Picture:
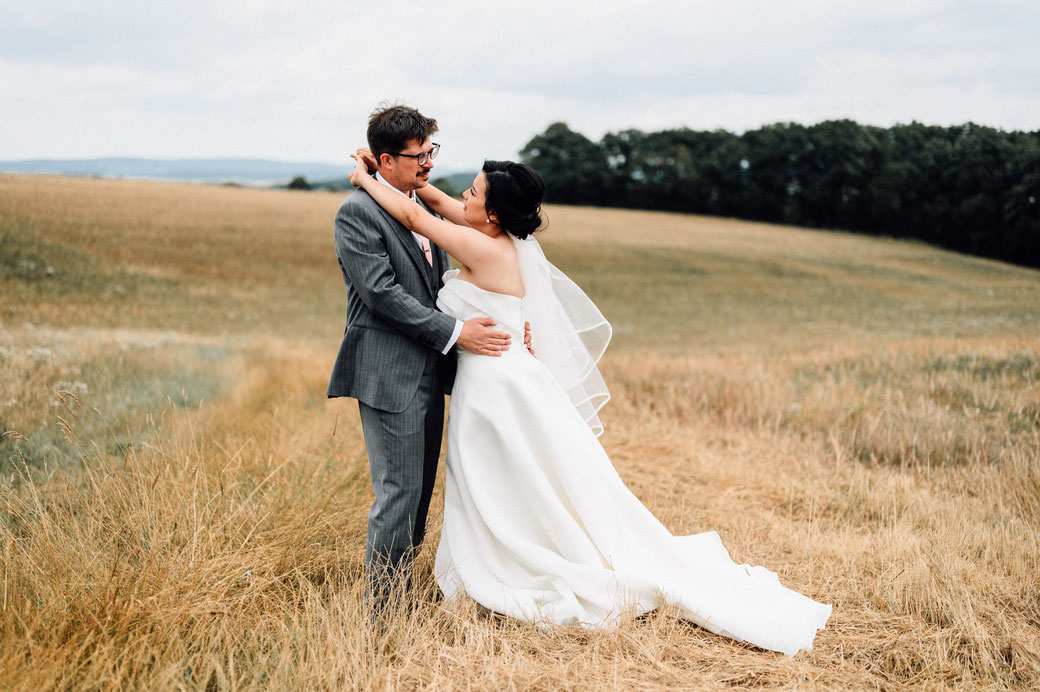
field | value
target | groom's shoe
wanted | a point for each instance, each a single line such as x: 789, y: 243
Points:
x: 386, y: 594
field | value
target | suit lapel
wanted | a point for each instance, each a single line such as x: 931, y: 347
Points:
x: 411, y: 248
x: 416, y: 253
x: 431, y: 268
x: 440, y: 264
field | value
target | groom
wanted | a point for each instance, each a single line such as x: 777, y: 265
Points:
x: 396, y: 358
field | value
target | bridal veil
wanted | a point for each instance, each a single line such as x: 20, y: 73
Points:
x: 568, y: 332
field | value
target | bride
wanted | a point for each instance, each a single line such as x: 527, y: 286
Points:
x: 537, y: 523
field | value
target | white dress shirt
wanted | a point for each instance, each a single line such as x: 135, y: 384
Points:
x: 419, y: 240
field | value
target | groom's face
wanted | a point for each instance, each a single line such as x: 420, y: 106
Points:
x: 404, y: 172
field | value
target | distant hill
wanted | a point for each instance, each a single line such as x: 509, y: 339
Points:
x: 246, y: 171
x: 457, y: 182
x: 460, y: 181
x: 260, y: 172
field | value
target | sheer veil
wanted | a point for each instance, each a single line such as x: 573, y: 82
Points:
x: 568, y: 332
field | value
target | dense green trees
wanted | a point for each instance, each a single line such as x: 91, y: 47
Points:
x: 298, y: 183
x: 572, y: 166
x: 970, y: 188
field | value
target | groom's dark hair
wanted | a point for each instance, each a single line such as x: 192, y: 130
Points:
x: 390, y: 128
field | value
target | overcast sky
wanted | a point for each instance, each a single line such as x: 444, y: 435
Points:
x: 257, y: 78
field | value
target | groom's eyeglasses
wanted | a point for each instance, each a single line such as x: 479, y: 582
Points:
x: 423, y: 156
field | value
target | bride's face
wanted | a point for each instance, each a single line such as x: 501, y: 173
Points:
x: 473, y: 209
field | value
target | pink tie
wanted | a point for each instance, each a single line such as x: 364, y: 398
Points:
x: 426, y: 250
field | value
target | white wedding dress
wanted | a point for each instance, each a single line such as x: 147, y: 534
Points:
x: 537, y: 523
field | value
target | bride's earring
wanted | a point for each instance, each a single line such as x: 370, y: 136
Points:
x: 488, y: 219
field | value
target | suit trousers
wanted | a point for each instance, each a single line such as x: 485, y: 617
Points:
x: 403, y: 449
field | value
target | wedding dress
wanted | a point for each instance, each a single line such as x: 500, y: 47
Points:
x: 537, y: 523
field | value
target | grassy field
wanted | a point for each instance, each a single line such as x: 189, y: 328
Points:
x: 181, y: 507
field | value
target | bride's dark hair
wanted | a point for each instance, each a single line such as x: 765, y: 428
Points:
x: 514, y: 195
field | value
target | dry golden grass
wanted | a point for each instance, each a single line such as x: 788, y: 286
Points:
x: 186, y: 509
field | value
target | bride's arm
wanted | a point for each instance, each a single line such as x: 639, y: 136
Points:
x: 435, y: 198
x: 443, y: 204
x: 466, y: 244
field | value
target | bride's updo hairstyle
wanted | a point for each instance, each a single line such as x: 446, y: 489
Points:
x: 514, y: 195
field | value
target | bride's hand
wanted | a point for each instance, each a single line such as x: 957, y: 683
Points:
x: 366, y: 154
x: 527, y: 338
x: 360, y: 168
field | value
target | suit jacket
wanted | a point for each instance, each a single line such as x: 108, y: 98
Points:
x: 393, y: 329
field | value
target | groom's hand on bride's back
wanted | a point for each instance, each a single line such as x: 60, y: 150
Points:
x: 478, y: 337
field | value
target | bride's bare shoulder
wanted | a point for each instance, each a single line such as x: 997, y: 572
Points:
x: 504, y: 246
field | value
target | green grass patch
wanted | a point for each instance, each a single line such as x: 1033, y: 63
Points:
x: 104, y: 398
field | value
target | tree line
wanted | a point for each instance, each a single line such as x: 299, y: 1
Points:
x: 969, y: 188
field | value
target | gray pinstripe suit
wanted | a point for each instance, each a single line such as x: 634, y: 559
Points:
x: 390, y: 361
